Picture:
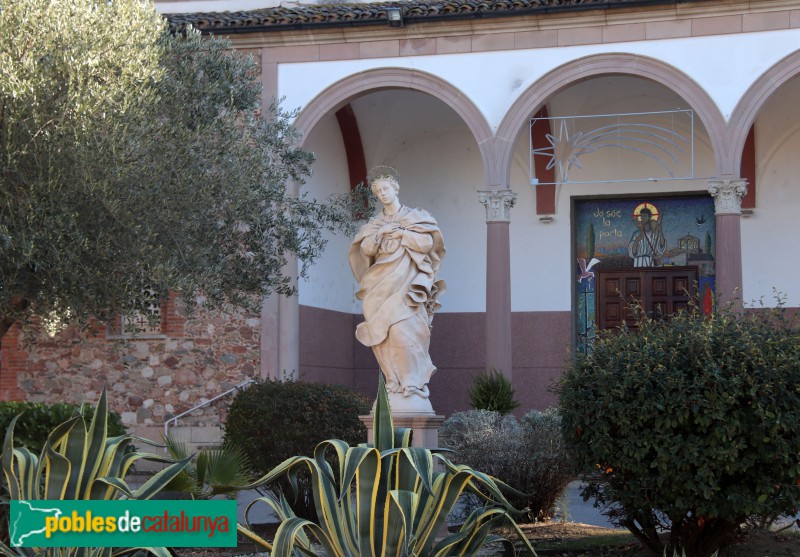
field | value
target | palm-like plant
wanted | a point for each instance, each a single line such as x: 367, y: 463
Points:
x: 80, y: 463
x: 492, y: 391
x: 384, y: 500
x: 218, y: 472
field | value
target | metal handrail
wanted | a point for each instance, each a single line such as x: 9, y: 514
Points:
x: 206, y: 403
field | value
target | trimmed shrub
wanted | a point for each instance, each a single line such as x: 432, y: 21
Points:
x: 528, y: 455
x: 689, y: 426
x: 492, y: 391
x: 275, y: 420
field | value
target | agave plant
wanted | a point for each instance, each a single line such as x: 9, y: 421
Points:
x: 217, y: 472
x: 80, y: 463
x: 384, y: 500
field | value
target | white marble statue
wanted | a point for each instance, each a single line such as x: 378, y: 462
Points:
x: 395, y: 257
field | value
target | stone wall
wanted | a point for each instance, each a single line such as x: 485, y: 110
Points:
x: 149, y: 378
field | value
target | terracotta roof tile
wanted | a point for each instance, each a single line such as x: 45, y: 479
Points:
x: 280, y: 18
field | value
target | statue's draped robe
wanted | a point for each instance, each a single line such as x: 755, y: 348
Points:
x: 399, y: 289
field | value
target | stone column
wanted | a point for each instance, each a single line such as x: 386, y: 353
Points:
x: 270, y: 338
x: 727, y: 196
x: 289, y: 344
x: 425, y: 427
x: 498, y: 203
x: 280, y: 331
x: 289, y: 314
x: 280, y: 316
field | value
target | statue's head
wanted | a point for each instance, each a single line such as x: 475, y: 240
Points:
x: 383, y: 173
x: 391, y: 180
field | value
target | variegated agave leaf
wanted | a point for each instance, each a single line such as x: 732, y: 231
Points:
x: 81, y: 463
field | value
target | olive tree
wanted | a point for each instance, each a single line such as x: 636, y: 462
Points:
x: 135, y: 160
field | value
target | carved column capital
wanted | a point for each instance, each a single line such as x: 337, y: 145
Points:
x: 727, y: 195
x: 498, y: 204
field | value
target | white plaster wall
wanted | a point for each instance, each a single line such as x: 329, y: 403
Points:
x: 630, y: 95
x: 440, y: 171
x: 724, y: 65
x: 769, y: 237
x: 542, y: 269
x: 540, y: 253
x: 329, y: 282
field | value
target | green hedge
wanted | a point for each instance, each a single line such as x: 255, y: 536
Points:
x: 37, y: 420
x: 275, y: 420
x: 689, y: 426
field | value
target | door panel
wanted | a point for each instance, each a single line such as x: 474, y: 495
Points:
x: 660, y: 291
x: 617, y: 289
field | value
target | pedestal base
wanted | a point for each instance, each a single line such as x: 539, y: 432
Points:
x: 425, y: 427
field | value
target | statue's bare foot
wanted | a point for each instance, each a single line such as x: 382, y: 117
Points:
x: 413, y: 390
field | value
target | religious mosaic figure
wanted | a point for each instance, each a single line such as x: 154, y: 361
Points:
x: 648, y: 244
x: 395, y: 257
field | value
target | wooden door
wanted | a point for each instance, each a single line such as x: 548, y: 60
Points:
x: 659, y: 291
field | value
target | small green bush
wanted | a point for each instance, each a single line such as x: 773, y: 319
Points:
x: 689, y: 426
x: 80, y: 462
x: 276, y: 420
x: 492, y: 391
x: 221, y: 471
x: 528, y: 455
x: 37, y: 420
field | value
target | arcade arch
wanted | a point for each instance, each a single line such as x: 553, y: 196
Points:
x: 516, y: 118
x: 768, y: 242
x: 375, y: 93
x: 340, y: 93
x: 748, y: 108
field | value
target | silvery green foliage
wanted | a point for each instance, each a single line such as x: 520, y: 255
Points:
x: 479, y: 431
x: 528, y: 455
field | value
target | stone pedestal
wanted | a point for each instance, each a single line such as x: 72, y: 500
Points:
x: 424, y: 426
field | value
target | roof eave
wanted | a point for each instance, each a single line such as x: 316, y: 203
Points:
x: 416, y: 20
